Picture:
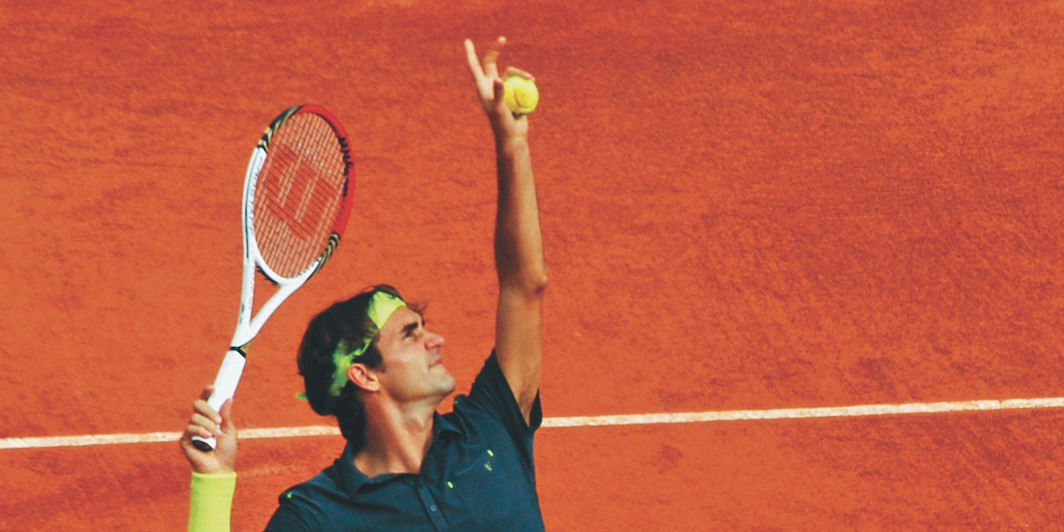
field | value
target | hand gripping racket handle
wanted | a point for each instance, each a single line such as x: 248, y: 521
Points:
x: 224, y: 388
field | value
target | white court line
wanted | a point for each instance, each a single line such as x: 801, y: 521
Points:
x: 585, y: 421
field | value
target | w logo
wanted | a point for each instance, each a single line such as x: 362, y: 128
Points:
x: 295, y: 194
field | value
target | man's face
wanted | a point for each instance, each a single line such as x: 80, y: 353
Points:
x: 413, y: 364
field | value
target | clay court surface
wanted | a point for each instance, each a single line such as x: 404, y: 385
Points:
x: 755, y: 207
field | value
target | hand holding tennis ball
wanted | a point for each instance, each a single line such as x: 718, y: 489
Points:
x: 520, y: 95
x: 506, y: 95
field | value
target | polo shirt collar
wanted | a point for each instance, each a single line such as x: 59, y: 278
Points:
x: 353, y: 479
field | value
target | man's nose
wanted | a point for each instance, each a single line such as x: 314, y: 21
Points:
x: 435, y: 340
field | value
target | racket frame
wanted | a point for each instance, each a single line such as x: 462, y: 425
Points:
x: 248, y: 326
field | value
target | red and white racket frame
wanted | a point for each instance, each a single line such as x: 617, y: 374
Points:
x: 248, y: 326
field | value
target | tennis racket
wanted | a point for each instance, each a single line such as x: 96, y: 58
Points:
x: 297, y: 198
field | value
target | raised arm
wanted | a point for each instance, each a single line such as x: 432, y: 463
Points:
x: 519, y: 258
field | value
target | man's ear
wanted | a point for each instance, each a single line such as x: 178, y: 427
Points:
x: 363, y: 377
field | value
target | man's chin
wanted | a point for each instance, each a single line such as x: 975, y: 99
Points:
x: 449, y: 385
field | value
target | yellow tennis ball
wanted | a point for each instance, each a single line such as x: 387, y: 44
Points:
x: 521, y: 95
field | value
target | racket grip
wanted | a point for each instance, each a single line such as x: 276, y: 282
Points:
x: 224, y: 389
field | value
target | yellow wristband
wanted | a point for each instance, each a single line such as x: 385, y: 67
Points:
x: 211, y: 501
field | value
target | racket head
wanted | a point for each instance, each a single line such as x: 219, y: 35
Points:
x: 297, y: 194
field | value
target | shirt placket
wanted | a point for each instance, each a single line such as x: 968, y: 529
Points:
x: 431, y: 505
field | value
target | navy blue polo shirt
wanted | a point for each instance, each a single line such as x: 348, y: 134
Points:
x: 478, y: 474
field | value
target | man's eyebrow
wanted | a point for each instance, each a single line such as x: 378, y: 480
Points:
x: 410, y: 327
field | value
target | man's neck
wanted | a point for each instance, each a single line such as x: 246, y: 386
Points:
x: 396, y: 441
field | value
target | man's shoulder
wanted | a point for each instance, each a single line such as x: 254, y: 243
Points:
x: 305, y: 506
x: 326, y: 481
x: 490, y: 408
x: 484, y: 394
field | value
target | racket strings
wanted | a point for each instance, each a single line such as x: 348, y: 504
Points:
x: 298, y: 194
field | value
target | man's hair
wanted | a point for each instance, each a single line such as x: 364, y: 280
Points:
x: 343, y: 323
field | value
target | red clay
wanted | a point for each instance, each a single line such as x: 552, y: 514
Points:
x: 763, y: 205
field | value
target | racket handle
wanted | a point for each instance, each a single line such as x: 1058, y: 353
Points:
x: 224, y: 389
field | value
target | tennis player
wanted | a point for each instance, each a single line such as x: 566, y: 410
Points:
x: 371, y: 362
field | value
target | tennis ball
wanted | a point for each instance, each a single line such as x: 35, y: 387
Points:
x: 521, y: 95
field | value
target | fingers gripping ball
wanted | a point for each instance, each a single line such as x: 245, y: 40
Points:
x: 521, y: 95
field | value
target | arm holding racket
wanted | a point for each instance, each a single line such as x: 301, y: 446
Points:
x: 519, y: 257
x: 297, y: 197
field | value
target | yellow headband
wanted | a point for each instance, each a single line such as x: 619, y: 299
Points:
x: 381, y: 307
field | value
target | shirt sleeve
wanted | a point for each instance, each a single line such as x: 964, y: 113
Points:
x: 491, y: 393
